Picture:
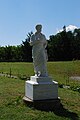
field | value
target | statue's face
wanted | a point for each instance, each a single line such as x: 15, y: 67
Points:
x: 39, y: 29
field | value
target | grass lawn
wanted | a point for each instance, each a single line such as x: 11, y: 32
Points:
x: 12, y: 106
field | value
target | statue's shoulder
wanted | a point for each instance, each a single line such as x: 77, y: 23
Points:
x: 43, y: 35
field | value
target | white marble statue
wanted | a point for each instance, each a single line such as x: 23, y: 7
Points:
x: 39, y: 53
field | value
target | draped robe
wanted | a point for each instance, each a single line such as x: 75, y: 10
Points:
x: 39, y: 54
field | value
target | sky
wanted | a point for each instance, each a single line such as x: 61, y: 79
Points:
x: 18, y: 17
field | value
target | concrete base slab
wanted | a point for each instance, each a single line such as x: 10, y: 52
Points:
x: 47, y: 105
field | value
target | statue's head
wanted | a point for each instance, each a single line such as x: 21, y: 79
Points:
x: 38, y: 27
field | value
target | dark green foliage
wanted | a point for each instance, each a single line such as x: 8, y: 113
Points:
x: 18, y: 53
x: 63, y: 46
x: 26, y: 52
x: 10, y: 53
x: 27, y: 49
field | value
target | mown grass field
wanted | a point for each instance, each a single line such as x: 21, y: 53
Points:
x: 12, y: 106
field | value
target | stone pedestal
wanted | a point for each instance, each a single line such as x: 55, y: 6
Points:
x: 41, y: 88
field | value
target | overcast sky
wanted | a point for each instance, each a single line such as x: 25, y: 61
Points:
x: 18, y: 17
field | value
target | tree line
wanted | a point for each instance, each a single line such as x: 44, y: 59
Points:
x: 63, y: 46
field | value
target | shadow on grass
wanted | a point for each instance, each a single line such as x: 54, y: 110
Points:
x: 61, y: 111
x: 57, y: 109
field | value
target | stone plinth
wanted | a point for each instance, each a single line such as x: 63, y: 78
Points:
x: 41, y: 88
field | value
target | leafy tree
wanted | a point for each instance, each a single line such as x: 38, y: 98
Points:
x: 29, y: 36
x: 76, y: 44
x: 2, y: 54
x: 62, y: 46
x: 27, y: 49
